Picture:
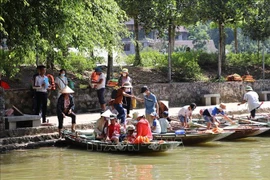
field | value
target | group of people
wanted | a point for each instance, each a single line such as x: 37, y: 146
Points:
x: 119, y: 107
x: 65, y: 101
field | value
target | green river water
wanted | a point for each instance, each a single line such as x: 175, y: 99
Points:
x: 243, y: 159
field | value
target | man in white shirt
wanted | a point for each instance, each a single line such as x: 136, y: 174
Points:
x: 252, y: 99
x: 185, y: 114
x: 41, y: 86
x: 100, y: 86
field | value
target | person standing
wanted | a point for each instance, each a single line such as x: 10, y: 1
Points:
x: 41, y: 86
x: 252, y: 99
x: 117, y: 102
x: 100, y: 86
x: 122, y: 80
x: 150, y: 102
x: 61, y: 81
x: 65, y: 107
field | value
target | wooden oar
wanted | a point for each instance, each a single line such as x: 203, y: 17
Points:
x: 254, y: 122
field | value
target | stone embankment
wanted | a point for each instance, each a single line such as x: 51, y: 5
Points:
x: 32, y: 138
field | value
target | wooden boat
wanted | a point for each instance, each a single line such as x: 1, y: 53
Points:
x: 190, y: 138
x: 81, y: 141
x: 238, y: 133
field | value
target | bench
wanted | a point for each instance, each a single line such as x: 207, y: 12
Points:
x: 211, y: 99
x: 263, y: 95
x: 13, y: 122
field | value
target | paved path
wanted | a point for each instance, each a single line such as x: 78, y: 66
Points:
x: 232, y: 108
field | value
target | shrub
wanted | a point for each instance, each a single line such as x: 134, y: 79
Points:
x: 185, y: 66
x: 206, y: 59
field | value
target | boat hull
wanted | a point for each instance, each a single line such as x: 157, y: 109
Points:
x: 95, y: 145
x: 187, y: 139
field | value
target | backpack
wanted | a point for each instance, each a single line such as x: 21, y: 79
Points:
x: 71, y: 83
x: 114, y: 93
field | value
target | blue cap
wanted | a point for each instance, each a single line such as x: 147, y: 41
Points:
x: 98, y: 69
x: 166, y: 113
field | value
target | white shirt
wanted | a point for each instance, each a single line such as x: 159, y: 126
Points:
x: 61, y: 82
x: 184, y: 111
x: 252, y: 99
x: 39, y: 81
x: 164, y: 124
x: 157, y: 125
x: 102, y: 85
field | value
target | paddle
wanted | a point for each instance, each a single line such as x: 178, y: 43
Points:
x: 254, y: 122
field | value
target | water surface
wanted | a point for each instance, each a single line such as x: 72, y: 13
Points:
x: 243, y: 159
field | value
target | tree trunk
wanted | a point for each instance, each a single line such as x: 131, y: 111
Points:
x: 109, y: 66
x: 235, y: 40
x: 170, y: 46
x: 258, y: 53
x: 137, y: 61
x: 220, y: 48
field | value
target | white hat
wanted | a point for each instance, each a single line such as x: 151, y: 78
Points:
x: 130, y: 127
x: 67, y: 90
x: 127, y: 85
x: 222, y: 106
x: 106, y: 114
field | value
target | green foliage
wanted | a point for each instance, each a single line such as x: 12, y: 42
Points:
x: 76, y: 62
x: 246, y: 59
x: 207, y: 59
x: 8, y: 64
x: 185, y: 66
x: 150, y: 58
x: 44, y: 25
x: 257, y: 21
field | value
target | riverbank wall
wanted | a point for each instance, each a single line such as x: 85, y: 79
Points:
x: 178, y: 94
x: 34, y: 137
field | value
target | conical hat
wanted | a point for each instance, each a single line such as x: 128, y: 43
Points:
x: 67, y: 90
x: 166, y: 103
x: 106, y: 113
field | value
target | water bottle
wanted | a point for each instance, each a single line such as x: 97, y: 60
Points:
x: 46, y: 82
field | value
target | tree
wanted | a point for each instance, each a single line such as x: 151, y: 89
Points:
x: 257, y: 21
x: 46, y: 25
x: 221, y: 12
x: 134, y: 9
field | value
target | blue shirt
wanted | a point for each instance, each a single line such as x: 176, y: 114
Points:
x: 217, y: 111
x: 150, y: 102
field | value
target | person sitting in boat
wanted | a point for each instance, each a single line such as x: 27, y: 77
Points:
x: 113, y: 131
x: 102, y: 124
x: 144, y: 134
x: 164, y: 123
x: 210, y: 114
x: 65, y: 107
x: 252, y: 99
x: 185, y: 114
x: 130, y: 137
x: 156, y: 125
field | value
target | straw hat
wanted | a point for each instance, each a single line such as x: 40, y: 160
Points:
x: 222, y: 106
x: 67, y: 90
x: 249, y: 88
x: 130, y: 127
x: 125, y: 70
x: 127, y: 85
